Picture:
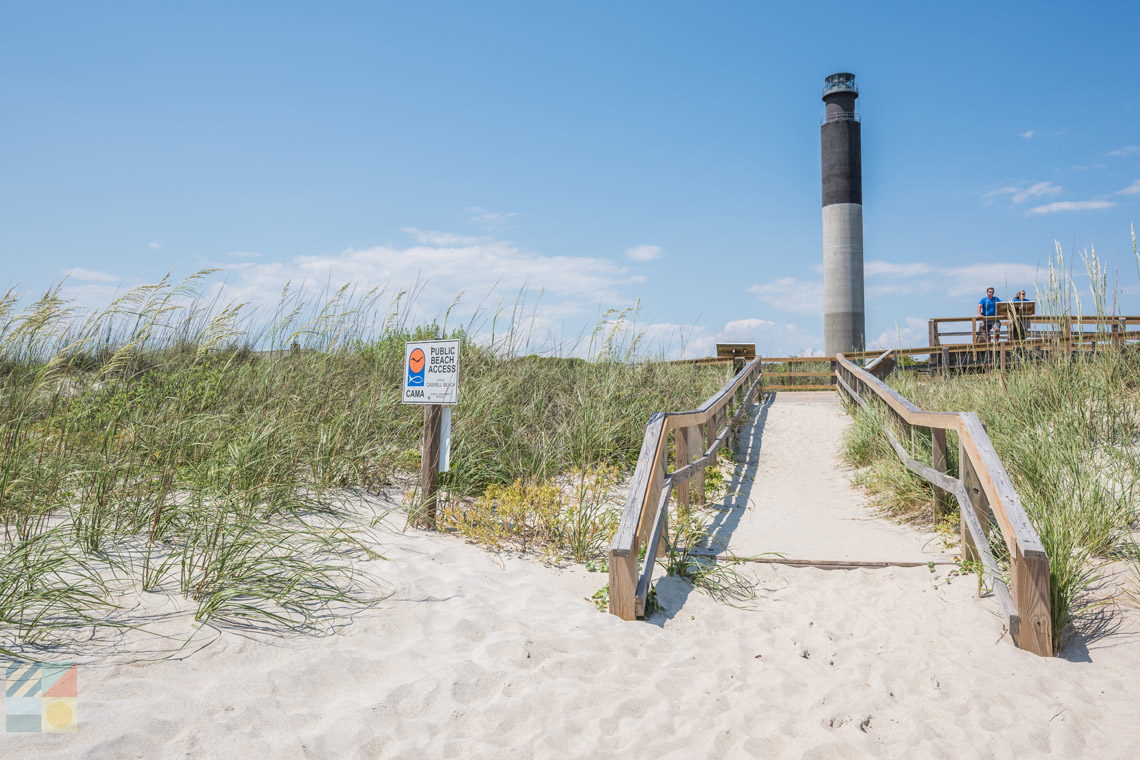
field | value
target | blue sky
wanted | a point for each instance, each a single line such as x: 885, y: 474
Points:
x: 605, y: 154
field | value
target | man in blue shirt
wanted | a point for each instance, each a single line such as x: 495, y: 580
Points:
x: 987, y: 309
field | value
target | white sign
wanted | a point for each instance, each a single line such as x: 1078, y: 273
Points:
x: 431, y: 372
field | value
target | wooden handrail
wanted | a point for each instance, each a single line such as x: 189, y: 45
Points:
x: 986, y: 485
x: 645, y: 516
x: 983, y: 487
x: 1051, y: 318
x: 716, y: 402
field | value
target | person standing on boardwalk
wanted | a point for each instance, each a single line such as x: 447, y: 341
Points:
x: 1016, y: 328
x: 987, y: 310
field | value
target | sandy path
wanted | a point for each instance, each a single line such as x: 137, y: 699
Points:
x: 793, y: 495
x: 480, y: 655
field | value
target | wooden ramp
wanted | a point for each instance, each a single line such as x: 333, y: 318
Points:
x: 792, y: 493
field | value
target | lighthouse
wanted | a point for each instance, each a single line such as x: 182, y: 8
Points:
x: 843, y: 315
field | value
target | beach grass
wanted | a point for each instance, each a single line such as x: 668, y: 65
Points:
x: 1068, y: 431
x: 172, y: 443
x: 1067, y: 428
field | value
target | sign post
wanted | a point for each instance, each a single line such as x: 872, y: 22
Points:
x: 431, y: 379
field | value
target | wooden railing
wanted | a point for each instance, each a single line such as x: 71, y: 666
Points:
x: 1077, y: 330
x: 699, y: 435
x: 982, y: 488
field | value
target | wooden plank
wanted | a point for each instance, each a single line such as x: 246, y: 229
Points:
x: 994, y: 480
x: 734, y: 350
x: 709, y: 456
x: 623, y: 585
x: 626, y: 536
x: 778, y: 388
x: 1032, y: 597
x: 770, y: 375
x: 822, y: 564
x: 989, y: 564
x: 652, y: 494
x: 722, y: 398
x: 698, y: 444
x: 939, y: 462
x: 845, y: 387
x: 977, y: 501
x: 656, y: 544
x: 682, y: 455
x: 429, y: 466
x: 907, y: 410
x: 798, y: 359
x: 883, y: 365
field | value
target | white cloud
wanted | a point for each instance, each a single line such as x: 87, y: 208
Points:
x: 912, y: 332
x: 1127, y: 150
x: 1027, y: 134
x: 692, y: 341
x: 1036, y: 191
x: 1059, y: 206
x: 432, y: 237
x: 90, y: 275
x: 877, y: 268
x: 1021, y: 193
x: 974, y: 278
x: 887, y: 278
x: 154, y: 246
x: 791, y: 294
x: 92, y: 295
x: 990, y: 196
x: 644, y: 252
x: 490, y: 220
x: 244, y: 255
x: 434, y: 276
x: 1133, y: 189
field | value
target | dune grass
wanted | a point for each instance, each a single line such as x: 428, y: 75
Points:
x: 168, y: 444
x: 1068, y: 432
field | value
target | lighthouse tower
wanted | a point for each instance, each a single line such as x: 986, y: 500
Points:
x: 843, y: 316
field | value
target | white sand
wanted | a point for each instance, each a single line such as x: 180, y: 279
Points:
x: 478, y: 655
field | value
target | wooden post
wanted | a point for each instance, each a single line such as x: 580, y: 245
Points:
x: 978, y: 501
x: 623, y: 585
x: 938, y: 461
x: 682, y: 455
x: 648, y: 512
x: 945, y: 361
x: 1032, y: 598
x: 932, y: 340
x: 429, y: 466
x: 699, y: 445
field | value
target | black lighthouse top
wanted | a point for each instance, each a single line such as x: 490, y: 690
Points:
x: 840, y: 132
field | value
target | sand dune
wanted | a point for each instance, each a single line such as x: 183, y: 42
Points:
x: 477, y: 654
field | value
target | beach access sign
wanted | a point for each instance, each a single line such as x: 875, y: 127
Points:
x: 431, y: 372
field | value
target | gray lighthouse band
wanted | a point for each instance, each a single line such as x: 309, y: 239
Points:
x: 843, y: 315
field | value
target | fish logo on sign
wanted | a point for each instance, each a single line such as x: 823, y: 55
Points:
x: 416, y: 365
